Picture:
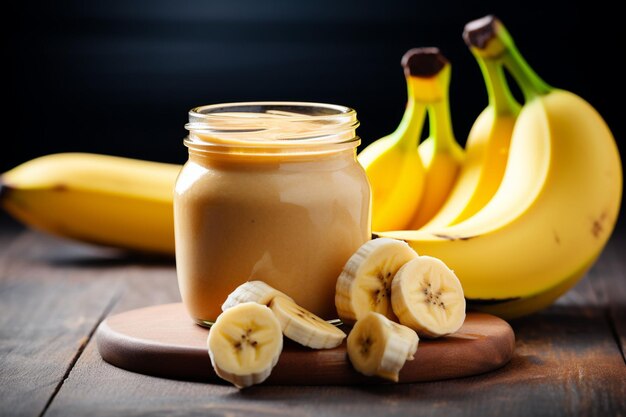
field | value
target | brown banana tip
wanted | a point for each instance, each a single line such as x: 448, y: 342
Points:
x: 3, y: 189
x: 479, y: 32
x: 423, y: 62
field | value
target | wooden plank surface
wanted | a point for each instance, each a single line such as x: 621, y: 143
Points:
x: 53, y: 295
x: 46, y: 321
x: 567, y: 363
x: 568, y: 360
x: 610, y: 281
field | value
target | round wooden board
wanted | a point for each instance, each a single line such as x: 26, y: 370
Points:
x: 163, y: 341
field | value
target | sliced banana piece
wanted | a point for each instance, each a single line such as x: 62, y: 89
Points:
x: 378, y: 346
x: 427, y: 296
x: 364, y: 285
x: 255, y: 291
x: 245, y: 343
x: 304, y: 327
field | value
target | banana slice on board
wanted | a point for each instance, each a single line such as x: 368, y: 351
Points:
x: 304, y: 327
x: 255, y: 291
x: 427, y: 296
x: 364, y: 284
x: 245, y: 343
x: 378, y: 346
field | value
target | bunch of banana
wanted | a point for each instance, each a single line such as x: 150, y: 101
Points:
x: 393, y: 165
x: 555, y: 207
x: 487, y: 148
x: 440, y: 153
x: 409, y: 187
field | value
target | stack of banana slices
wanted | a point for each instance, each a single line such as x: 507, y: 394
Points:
x: 392, y: 295
x: 386, y: 290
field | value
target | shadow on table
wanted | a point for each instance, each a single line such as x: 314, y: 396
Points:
x: 88, y: 256
x: 121, y: 259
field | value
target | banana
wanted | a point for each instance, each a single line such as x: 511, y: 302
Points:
x: 394, y: 168
x: 440, y: 153
x: 95, y: 198
x: 522, y: 306
x: 254, y: 291
x: 304, y: 327
x: 378, y: 346
x: 427, y: 297
x: 364, y: 284
x: 245, y: 343
x: 555, y: 208
x: 487, y: 147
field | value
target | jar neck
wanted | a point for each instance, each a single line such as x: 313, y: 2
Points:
x: 205, y: 158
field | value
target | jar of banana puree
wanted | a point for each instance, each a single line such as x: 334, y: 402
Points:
x: 272, y: 191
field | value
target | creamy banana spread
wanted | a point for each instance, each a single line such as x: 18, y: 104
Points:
x: 286, y: 211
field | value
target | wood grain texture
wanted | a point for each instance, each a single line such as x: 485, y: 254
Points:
x: 163, y: 341
x: 610, y: 281
x: 55, y: 293
x: 549, y: 376
x: 45, y: 323
x: 567, y: 360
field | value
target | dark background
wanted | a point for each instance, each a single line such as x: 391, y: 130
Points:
x: 118, y: 77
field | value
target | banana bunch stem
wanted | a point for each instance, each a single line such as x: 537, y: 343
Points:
x: 487, y: 145
x: 500, y: 97
x: 440, y: 125
x: 489, y: 38
x: 428, y: 80
x: 530, y: 83
x: 410, y: 128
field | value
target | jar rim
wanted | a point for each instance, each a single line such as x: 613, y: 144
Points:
x: 324, y: 109
x: 272, y: 125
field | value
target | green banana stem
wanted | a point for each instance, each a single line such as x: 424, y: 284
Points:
x: 529, y: 81
x: 500, y: 97
x: 440, y: 125
x: 409, y: 131
x: 440, y: 122
x: 489, y: 38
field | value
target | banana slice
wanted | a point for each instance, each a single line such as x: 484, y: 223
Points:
x: 365, y: 282
x: 304, y: 327
x: 378, y: 346
x: 427, y: 296
x: 255, y: 291
x: 245, y: 343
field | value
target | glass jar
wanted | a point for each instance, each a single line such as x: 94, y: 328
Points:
x: 272, y: 191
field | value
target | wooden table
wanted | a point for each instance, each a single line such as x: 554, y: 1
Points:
x: 53, y: 294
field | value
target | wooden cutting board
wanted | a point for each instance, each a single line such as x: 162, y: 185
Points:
x: 163, y: 341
